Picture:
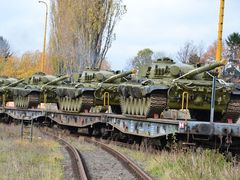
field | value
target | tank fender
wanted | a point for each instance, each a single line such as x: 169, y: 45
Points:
x: 72, y: 93
x: 150, y: 89
x: 84, y: 90
x: 26, y: 92
x: 80, y: 91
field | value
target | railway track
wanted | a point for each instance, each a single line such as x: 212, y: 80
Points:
x: 78, y: 167
x: 131, y: 166
x: 101, y: 161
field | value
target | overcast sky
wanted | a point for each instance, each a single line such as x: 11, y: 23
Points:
x: 161, y: 25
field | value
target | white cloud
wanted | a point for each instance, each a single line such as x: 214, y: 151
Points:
x: 22, y: 24
x: 162, y: 25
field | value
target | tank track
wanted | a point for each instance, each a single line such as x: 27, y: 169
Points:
x: 158, y: 103
x: 33, y: 100
x: 87, y: 102
x: 146, y: 106
x: 233, y: 109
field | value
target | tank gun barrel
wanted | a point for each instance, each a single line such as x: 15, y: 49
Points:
x: 15, y: 83
x: 200, y: 70
x: 55, y: 81
x: 117, y: 76
x: 12, y: 84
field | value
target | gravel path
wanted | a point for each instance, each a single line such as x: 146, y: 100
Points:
x: 102, y: 165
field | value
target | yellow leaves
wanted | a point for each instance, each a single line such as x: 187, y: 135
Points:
x: 21, y: 67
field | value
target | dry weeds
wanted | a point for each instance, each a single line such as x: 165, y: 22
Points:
x: 184, y: 165
x: 20, y: 159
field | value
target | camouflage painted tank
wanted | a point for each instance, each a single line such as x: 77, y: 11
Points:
x: 35, y: 90
x: 89, y: 90
x: 165, y: 86
x: 5, y: 83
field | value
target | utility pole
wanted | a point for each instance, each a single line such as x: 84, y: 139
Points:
x: 44, y: 38
x: 220, y: 30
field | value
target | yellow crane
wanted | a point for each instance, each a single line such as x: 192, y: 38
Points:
x: 220, y: 30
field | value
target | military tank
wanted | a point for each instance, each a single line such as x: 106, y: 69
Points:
x: 35, y: 90
x: 88, y: 91
x: 6, y: 82
x: 174, y: 86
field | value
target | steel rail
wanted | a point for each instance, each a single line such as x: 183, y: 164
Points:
x: 130, y: 164
x: 75, y: 156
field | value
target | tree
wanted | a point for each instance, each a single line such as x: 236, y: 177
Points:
x: 4, y: 48
x: 210, y: 53
x: 233, y: 43
x: 89, y: 32
x: 19, y: 66
x: 105, y: 65
x: 142, y: 60
x: 190, y: 53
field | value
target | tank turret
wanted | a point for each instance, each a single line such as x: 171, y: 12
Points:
x: 94, y: 75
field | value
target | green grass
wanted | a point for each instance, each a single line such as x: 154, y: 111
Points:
x: 20, y: 159
x: 182, y: 165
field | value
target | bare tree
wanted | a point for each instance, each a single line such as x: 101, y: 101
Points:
x: 5, y: 51
x: 190, y: 53
x: 82, y: 32
x: 186, y: 51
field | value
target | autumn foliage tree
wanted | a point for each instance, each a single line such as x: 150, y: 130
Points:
x: 21, y: 67
x: 210, y: 53
x: 82, y: 32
